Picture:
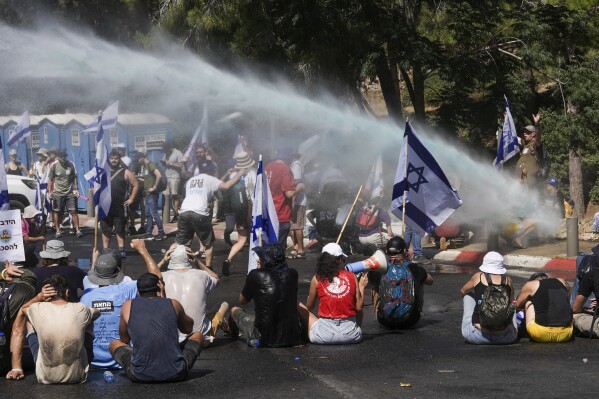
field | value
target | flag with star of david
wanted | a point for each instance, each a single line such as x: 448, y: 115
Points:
x: 99, y: 177
x: 265, y: 223
x: 430, y: 199
x: 507, y: 142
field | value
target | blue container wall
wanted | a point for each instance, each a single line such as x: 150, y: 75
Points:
x: 76, y: 144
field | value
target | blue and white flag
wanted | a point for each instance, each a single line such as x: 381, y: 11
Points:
x: 374, y: 182
x: 507, y: 143
x: 202, y: 130
x: 4, y: 200
x: 99, y: 176
x: 430, y: 199
x: 21, y: 132
x: 109, y: 119
x: 265, y: 223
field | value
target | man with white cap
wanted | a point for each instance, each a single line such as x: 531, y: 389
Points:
x: 492, y: 273
x: 122, y: 149
x: 190, y: 286
x: 110, y: 290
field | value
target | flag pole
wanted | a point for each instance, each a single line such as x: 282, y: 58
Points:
x: 348, y: 215
x: 405, y: 192
x: 260, y: 197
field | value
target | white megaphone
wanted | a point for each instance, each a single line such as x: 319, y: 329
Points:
x: 377, y: 262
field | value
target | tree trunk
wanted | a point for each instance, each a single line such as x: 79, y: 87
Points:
x: 576, y: 189
x: 391, y: 96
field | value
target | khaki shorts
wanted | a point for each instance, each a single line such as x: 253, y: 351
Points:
x: 172, y: 185
x: 298, y: 218
x: 540, y: 333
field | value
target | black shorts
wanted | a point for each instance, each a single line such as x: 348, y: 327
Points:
x: 190, y: 223
x: 114, y: 220
x: 191, y: 350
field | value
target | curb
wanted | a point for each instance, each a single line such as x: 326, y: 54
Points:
x: 470, y: 258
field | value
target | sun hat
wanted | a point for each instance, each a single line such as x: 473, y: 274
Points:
x: 492, y: 263
x: 54, y: 250
x: 30, y: 212
x: 271, y: 255
x: 42, y: 151
x: 106, y: 271
x: 243, y: 160
x: 179, y: 259
x: 333, y: 249
x: 115, y: 254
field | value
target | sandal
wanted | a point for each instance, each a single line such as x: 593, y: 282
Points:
x: 296, y: 255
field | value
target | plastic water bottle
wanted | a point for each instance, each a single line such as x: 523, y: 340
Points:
x: 519, y: 318
x: 254, y: 343
x: 108, y: 376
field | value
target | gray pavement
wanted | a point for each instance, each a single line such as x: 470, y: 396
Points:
x: 431, y: 358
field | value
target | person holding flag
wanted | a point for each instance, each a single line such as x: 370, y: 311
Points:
x: 507, y: 143
x: 422, y: 196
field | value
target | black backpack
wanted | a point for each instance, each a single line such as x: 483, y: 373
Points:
x: 238, y: 199
x: 496, y: 311
x: 162, y: 183
x: 6, y: 289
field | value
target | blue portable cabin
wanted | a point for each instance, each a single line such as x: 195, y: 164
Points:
x: 8, y: 125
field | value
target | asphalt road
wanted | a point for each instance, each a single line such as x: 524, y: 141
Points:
x: 432, y: 358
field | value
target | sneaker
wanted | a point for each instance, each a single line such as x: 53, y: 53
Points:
x: 141, y: 230
x: 160, y: 237
x: 226, y: 267
x: 148, y: 237
x: 79, y: 234
x: 227, y: 238
x: 132, y: 231
x: 174, y: 219
x: 58, y: 233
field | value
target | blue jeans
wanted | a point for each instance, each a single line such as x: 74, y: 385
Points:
x: 410, y: 237
x: 152, y: 214
x: 473, y: 335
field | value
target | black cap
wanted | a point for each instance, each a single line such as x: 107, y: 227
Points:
x: 396, y: 246
x: 271, y: 255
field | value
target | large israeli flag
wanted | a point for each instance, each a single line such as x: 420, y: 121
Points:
x: 374, y: 182
x: 507, y: 142
x: 21, y: 132
x: 265, y: 224
x: 109, y: 119
x: 430, y: 199
x: 4, y: 200
x: 99, y: 176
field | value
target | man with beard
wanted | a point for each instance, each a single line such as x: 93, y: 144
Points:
x: 120, y: 179
x: 62, y: 189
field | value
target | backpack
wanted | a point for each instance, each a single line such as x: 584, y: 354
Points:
x: 367, y: 217
x: 6, y: 290
x: 162, y: 183
x: 238, y: 198
x: 496, y: 311
x: 396, y: 292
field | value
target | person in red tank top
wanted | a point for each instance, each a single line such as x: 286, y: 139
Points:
x: 340, y: 299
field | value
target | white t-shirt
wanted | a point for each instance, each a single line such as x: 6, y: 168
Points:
x: 60, y: 331
x: 199, y: 191
x: 298, y: 174
x: 190, y: 288
x: 126, y: 160
x: 175, y: 157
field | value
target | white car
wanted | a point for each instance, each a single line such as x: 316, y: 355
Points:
x: 21, y: 191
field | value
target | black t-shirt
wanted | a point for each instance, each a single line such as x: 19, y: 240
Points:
x: 589, y: 283
x: 419, y: 275
x: 73, y: 274
x: 20, y: 295
x: 275, y: 297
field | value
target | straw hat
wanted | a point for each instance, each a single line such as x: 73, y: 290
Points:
x: 243, y: 160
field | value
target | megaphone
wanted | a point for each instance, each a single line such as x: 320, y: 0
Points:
x: 377, y: 262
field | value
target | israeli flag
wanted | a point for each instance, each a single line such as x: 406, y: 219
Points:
x: 21, y: 132
x: 507, y: 143
x: 4, y: 200
x: 265, y: 224
x: 99, y: 176
x: 429, y: 197
x: 374, y: 182
x: 109, y: 119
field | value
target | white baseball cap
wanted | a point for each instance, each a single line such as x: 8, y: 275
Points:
x: 333, y: 249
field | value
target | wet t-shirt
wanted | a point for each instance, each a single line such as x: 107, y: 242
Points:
x: 199, y: 191
x: 61, y: 331
x: 275, y: 297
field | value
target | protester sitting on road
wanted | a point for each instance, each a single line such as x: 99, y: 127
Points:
x: 55, y: 261
x: 547, y: 306
x: 340, y: 299
x: 56, y: 338
x: 394, y: 308
x: 18, y: 286
x: 273, y: 287
x: 32, y: 235
x: 488, y: 312
x: 586, y: 322
x: 111, y: 288
x: 152, y: 322
x: 190, y: 287
x: 87, y: 284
